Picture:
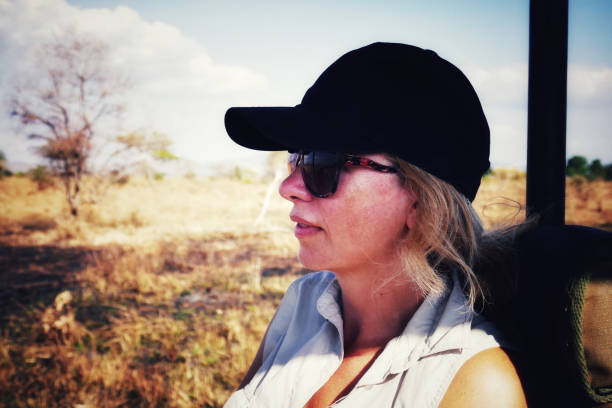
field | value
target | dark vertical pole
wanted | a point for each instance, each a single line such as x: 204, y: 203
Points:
x: 547, y: 105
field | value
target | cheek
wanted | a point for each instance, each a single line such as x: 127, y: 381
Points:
x: 384, y: 226
x: 373, y: 221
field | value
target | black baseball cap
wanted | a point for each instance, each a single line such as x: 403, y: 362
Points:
x: 381, y: 98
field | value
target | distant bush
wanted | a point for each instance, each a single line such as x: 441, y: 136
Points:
x: 122, y: 180
x: 576, y: 166
x: 41, y: 176
x: 244, y: 175
x: 158, y: 176
x: 3, y: 170
x: 579, y: 166
x: 38, y: 223
x: 506, y: 174
x: 163, y: 154
x: 596, y: 169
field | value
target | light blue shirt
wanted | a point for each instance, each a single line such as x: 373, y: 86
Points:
x: 304, y: 347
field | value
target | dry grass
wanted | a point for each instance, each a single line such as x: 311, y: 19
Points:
x: 160, y: 325
x: 158, y: 294
x: 137, y: 213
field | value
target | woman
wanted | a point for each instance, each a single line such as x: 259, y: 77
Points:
x: 387, y: 150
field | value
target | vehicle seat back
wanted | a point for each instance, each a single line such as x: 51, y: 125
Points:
x: 561, y: 316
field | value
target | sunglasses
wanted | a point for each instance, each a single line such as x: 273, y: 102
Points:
x: 321, y: 170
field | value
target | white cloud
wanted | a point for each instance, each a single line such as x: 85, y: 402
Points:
x: 508, y: 137
x: 177, y: 88
x: 586, y: 84
x: 588, y: 132
x: 589, y: 85
x: 503, y: 94
x: 505, y: 85
x: 158, y: 49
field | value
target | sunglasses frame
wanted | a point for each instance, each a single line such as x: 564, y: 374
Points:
x: 298, y: 159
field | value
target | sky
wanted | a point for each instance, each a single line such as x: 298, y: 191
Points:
x: 188, y: 61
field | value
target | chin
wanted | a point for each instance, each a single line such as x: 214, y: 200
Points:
x: 312, y: 260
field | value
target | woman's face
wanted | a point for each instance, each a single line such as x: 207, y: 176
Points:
x: 360, y: 225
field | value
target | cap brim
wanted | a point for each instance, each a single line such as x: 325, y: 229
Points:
x: 282, y: 128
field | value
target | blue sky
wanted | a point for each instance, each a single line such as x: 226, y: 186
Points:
x: 193, y: 59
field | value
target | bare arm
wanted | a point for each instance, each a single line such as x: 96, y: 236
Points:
x: 488, y: 379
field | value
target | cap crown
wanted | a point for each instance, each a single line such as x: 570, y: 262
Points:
x: 406, y: 101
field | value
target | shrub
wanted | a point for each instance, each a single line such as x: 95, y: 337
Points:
x: 3, y: 170
x: 576, y: 166
x: 244, y: 175
x: 579, y: 166
x: 608, y: 171
x: 41, y: 176
x: 37, y: 222
x: 596, y: 170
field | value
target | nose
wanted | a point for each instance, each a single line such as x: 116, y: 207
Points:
x: 293, y: 187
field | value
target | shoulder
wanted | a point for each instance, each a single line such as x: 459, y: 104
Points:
x: 487, y: 379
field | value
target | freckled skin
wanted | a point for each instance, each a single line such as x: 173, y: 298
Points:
x: 361, y: 223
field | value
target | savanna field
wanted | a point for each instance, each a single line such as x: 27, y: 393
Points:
x: 159, y: 292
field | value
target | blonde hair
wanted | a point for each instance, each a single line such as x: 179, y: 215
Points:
x: 448, y: 236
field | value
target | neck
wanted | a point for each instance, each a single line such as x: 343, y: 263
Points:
x: 376, y: 309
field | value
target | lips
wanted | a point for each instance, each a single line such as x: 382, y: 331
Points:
x: 304, y: 227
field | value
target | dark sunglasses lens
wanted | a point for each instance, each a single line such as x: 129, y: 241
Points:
x: 320, y: 171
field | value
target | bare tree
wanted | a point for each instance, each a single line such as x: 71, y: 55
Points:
x: 140, y: 144
x: 63, y: 102
x: 152, y: 143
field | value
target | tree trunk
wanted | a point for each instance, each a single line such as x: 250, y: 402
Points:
x: 72, y: 197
